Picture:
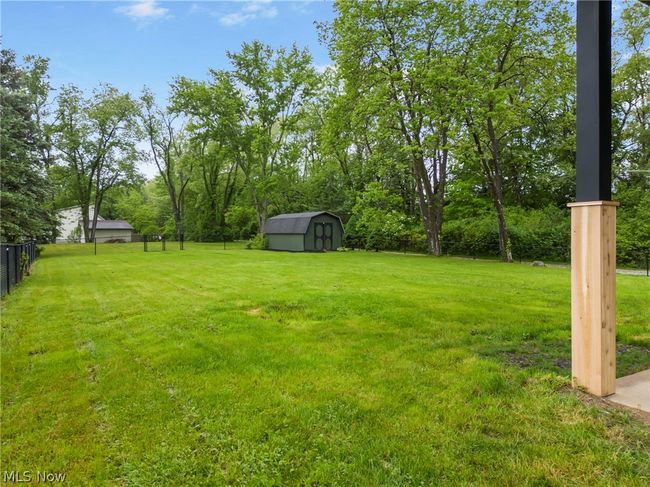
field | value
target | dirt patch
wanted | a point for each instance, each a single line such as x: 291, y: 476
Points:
x: 257, y: 313
x: 37, y: 351
x: 536, y: 358
x: 521, y: 360
x: 563, y: 363
x: 92, y: 373
x: 622, y: 348
x: 631, y: 358
x: 603, y: 403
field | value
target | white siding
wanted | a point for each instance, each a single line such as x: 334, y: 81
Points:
x: 69, y: 219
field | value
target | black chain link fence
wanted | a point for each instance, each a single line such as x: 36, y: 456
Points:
x: 551, y: 252
x: 150, y: 242
x: 15, y: 261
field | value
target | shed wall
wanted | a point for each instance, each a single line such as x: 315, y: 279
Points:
x: 292, y: 243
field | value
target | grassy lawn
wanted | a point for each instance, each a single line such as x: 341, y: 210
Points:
x: 213, y: 366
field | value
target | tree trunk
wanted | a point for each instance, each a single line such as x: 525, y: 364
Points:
x: 504, y: 240
x: 439, y: 193
x: 497, y: 193
x: 85, y: 221
x: 427, y: 201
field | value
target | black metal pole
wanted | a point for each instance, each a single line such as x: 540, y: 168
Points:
x: 594, y: 101
x: 95, y: 239
x: 163, y: 242
x: 144, y: 239
x: 8, y: 278
x: 647, y: 264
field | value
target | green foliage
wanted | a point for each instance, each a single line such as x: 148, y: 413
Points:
x: 253, y: 114
x: 95, y: 140
x: 25, y: 193
x: 24, y: 263
x: 377, y: 222
x: 241, y: 222
x: 542, y: 234
x: 75, y: 235
x: 633, y: 227
x: 258, y: 242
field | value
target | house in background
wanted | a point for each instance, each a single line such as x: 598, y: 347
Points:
x: 70, y: 227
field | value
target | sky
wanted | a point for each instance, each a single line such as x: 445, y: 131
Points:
x: 134, y: 43
x: 131, y: 44
x: 148, y: 42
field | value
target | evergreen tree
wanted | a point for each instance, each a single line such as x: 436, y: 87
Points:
x: 25, y: 194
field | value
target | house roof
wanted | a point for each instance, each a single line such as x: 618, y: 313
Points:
x: 113, y: 225
x: 291, y: 223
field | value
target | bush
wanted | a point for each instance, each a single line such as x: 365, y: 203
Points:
x: 633, y: 228
x: 258, y: 242
x: 377, y: 222
x: 241, y: 222
x: 543, y: 234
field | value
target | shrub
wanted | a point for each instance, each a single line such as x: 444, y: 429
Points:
x: 242, y: 222
x: 542, y: 234
x: 377, y: 223
x: 24, y: 263
x: 258, y: 242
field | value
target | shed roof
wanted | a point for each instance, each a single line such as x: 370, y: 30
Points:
x: 113, y: 225
x: 290, y: 223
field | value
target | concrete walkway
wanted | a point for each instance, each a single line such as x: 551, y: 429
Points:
x: 633, y: 391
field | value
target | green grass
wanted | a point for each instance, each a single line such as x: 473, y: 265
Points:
x: 215, y: 367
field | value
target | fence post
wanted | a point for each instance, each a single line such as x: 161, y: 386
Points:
x: 17, y: 263
x: 144, y: 239
x: 7, y: 267
x: 95, y: 239
x: 163, y: 243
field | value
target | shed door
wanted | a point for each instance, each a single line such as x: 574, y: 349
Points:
x: 323, y: 236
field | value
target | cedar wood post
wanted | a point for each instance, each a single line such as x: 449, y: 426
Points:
x: 593, y: 215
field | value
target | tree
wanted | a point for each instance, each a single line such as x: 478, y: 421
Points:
x: 251, y: 115
x: 95, y: 141
x: 275, y: 85
x: 216, y: 125
x: 25, y: 210
x: 393, y: 58
x: 631, y: 134
x: 513, y: 50
x: 166, y: 149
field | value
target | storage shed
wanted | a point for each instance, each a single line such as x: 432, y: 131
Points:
x: 313, y: 231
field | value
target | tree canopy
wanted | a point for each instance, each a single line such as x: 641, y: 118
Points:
x: 448, y: 126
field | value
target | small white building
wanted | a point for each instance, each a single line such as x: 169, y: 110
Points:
x: 71, y: 227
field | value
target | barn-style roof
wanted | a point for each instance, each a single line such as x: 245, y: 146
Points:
x: 292, y: 223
